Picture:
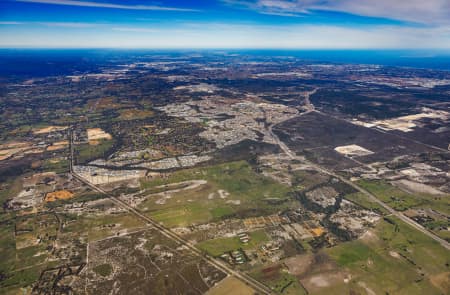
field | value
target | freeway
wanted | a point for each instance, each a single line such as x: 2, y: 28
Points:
x: 256, y: 285
x: 371, y: 196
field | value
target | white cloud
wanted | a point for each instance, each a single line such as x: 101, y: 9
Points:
x: 107, y: 5
x: 68, y: 24
x: 421, y: 11
x: 218, y: 35
x: 135, y: 30
x: 11, y: 23
x: 53, y: 24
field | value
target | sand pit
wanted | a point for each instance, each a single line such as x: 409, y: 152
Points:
x: 50, y: 129
x: 353, y: 150
x: 58, y: 195
x: 394, y: 254
x: 408, y: 123
x: 97, y: 133
x: 58, y: 145
x: 5, y: 154
x: 318, y: 231
x: 10, y: 149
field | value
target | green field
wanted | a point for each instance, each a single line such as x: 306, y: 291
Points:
x: 279, y: 281
x: 250, y: 194
x: 86, y: 152
x: 219, y: 246
x: 103, y: 269
x: 8, y: 247
x: 363, y: 201
x: 8, y: 189
x: 401, y: 201
x: 23, y: 258
x: 22, y: 266
x: 396, y: 259
x: 61, y: 166
x: 99, y: 226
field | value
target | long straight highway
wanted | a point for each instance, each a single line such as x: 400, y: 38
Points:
x: 371, y: 196
x: 256, y: 285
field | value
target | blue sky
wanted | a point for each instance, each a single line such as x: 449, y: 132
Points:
x: 289, y: 24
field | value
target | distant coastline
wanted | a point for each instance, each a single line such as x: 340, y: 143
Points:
x: 46, y: 62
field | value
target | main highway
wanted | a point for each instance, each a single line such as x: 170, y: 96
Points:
x: 256, y: 285
x: 371, y: 196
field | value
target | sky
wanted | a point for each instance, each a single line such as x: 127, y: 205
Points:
x: 283, y: 24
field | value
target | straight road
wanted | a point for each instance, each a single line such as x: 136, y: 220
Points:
x: 256, y: 285
x: 372, y: 197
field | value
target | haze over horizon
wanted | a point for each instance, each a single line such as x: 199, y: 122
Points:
x: 284, y: 24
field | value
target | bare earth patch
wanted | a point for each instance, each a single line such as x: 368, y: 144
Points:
x: 58, y: 195
x: 415, y: 187
x: 441, y: 281
x: 299, y: 265
x: 322, y: 280
x: 353, y: 150
x: 231, y: 285
x: 50, y: 129
x: 97, y: 133
x: 58, y: 145
x: 408, y: 123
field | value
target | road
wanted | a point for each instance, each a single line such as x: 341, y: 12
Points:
x: 372, y: 197
x: 308, y: 105
x: 256, y: 285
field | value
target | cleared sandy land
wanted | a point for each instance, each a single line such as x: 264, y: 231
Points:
x: 14, y: 144
x: 97, y: 133
x: 8, y: 150
x: 50, y: 129
x: 407, y: 123
x: 58, y: 145
x: 5, y: 154
x: 322, y: 280
x: 441, y: 281
x: 231, y: 285
x: 416, y: 187
x: 300, y: 264
x: 58, y: 195
x: 352, y: 150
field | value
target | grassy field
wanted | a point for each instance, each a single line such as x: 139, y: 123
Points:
x: 279, y: 280
x: 394, y: 259
x: 59, y: 166
x: 8, y: 248
x: 304, y: 180
x: 22, y: 259
x: 85, y: 152
x: 401, y: 201
x: 363, y: 201
x: 103, y: 269
x: 97, y: 227
x: 219, y: 246
x: 249, y: 194
x: 20, y: 263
